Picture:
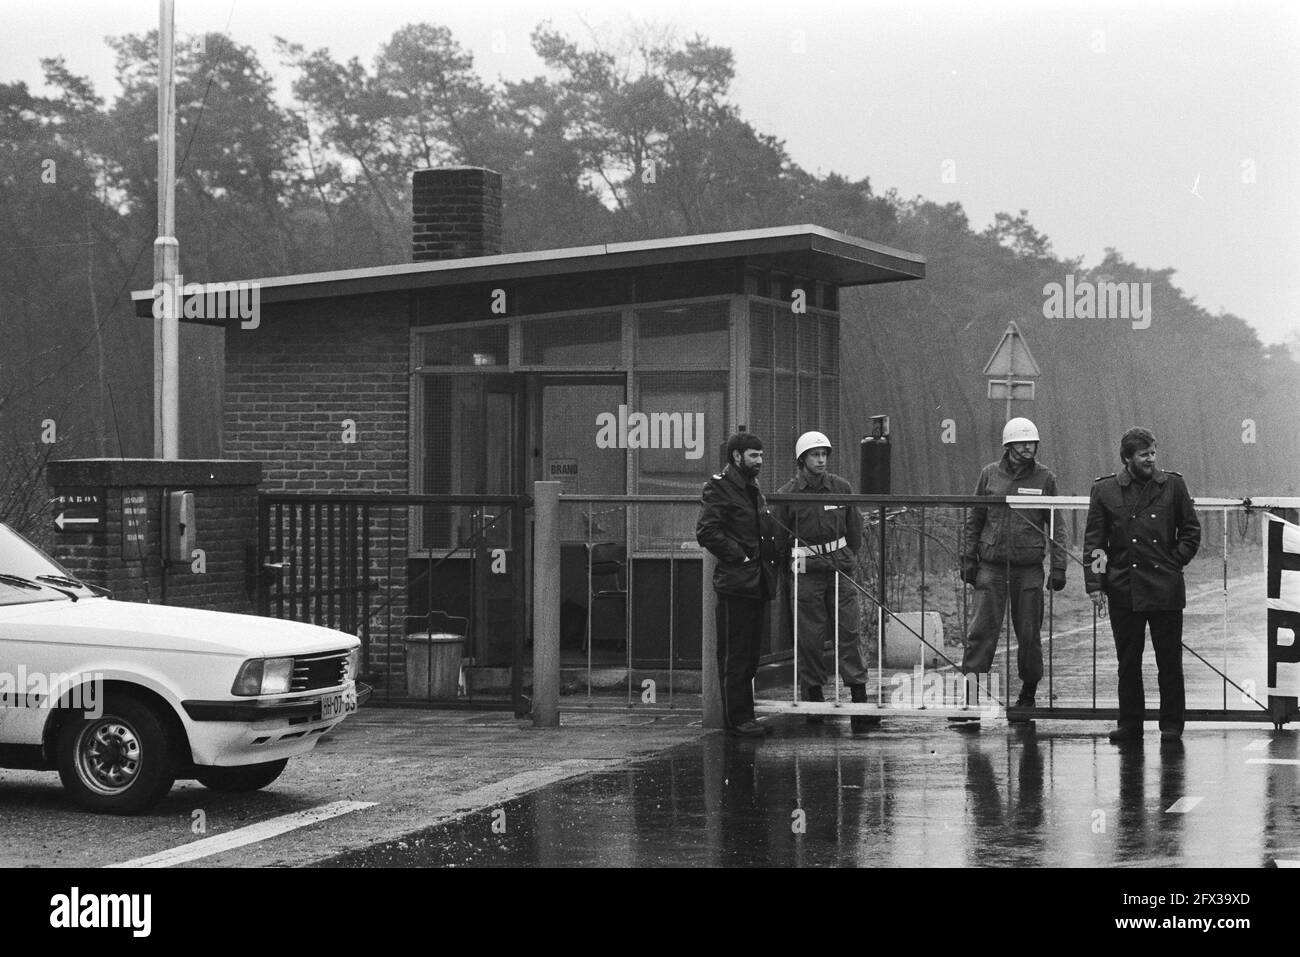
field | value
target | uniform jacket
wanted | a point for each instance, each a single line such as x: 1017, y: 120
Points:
x: 999, y: 533
x: 820, y: 522
x: 1149, y: 532
x: 736, y: 526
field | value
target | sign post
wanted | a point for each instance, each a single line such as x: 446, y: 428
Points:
x: 1012, y: 369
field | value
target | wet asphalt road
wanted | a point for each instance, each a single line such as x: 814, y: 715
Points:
x: 914, y: 794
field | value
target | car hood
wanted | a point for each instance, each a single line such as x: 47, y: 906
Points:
x: 103, y: 621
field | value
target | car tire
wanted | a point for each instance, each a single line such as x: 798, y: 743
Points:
x: 121, y: 762
x: 250, y: 777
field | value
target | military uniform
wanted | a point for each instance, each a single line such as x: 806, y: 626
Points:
x: 1009, y: 546
x: 1139, y: 537
x: 737, y: 528
x: 826, y: 537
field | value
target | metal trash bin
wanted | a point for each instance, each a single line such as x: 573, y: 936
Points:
x: 433, y: 665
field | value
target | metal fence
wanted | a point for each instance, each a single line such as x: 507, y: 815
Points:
x: 645, y: 652
x: 433, y: 585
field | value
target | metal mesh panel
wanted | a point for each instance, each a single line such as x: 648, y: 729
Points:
x: 785, y: 425
x: 686, y: 424
x: 595, y: 340
x: 784, y: 327
x: 760, y: 334
x: 829, y: 347
x: 692, y: 335
x: 760, y: 402
x: 806, y: 334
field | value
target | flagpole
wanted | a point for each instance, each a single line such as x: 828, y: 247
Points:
x: 166, y: 253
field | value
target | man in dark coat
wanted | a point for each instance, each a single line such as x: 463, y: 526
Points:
x: 1142, y: 530
x: 736, y: 527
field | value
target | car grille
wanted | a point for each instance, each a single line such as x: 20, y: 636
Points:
x: 325, y: 670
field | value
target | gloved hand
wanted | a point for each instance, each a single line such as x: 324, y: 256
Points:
x: 969, y: 570
x: 1057, y: 581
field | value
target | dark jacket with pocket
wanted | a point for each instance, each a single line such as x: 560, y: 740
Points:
x: 1143, y: 534
x: 737, y: 528
x: 1003, y: 535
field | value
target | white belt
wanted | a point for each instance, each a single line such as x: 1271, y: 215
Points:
x: 828, y: 547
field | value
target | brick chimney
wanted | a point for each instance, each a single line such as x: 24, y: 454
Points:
x: 456, y: 212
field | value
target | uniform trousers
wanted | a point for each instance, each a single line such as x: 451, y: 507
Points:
x: 815, y: 607
x: 740, y: 633
x: 995, y: 582
x: 1130, y: 628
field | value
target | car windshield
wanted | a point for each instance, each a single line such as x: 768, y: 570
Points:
x: 27, y: 574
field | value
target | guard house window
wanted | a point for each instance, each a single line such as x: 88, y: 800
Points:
x: 579, y: 341
x: 794, y: 380
x: 685, y: 412
x: 468, y: 449
x: 478, y: 346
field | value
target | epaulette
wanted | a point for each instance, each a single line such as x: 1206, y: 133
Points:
x: 718, y: 476
x: 1172, y: 472
x: 1102, y: 478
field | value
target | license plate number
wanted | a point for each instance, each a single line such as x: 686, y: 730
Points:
x: 338, y: 705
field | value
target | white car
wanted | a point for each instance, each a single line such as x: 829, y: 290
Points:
x: 122, y: 698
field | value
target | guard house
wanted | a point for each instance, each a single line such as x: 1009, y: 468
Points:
x: 615, y: 369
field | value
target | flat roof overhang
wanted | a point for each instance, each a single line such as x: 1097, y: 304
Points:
x: 811, y: 251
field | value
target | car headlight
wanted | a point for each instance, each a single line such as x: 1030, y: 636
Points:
x: 353, y: 660
x: 264, y: 676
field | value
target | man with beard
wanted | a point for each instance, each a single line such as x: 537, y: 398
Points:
x: 1142, y: 530
x: 737, y: 528
x: 825, y: 540
x: 1004, y: 550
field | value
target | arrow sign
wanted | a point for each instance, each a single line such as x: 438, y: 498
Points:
x: 79, y: 510
x: 60, y: 521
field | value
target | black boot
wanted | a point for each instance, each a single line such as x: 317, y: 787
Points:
x: 814, y: 694
x: 1026, y: 700
x: 860, y: 723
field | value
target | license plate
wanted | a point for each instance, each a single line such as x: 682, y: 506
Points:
x: 338, y: 705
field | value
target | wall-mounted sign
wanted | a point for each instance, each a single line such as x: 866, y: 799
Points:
x: 564, y: 471
x: 135, y: 524
x: 79, y: 510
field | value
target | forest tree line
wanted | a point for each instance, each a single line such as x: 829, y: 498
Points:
x: 607, y: 145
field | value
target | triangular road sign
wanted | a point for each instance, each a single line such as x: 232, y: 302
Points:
x: 1012, y: 357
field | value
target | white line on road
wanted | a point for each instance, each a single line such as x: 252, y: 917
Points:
x: 1259, y: 744
x: 1272, y: 761
x: 1287, y: 863
x: 1183, y: 805
x: 246, y: 835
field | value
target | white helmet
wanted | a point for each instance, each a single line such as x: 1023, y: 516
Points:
x: 810, y: 440
x: 1019, y: 430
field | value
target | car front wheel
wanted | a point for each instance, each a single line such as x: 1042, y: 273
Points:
x: 120, y: 762
x: 250, y: 777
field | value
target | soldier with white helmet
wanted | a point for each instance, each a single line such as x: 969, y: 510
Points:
x: 1003, y: 558
x: 824, y: 538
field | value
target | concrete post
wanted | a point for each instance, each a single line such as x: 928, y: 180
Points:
x: 713, y: 716
x: 546, y: 604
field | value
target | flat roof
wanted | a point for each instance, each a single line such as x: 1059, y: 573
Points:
x: 811, y: 251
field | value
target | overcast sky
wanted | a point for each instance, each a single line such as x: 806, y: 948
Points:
x: 1170, y: 131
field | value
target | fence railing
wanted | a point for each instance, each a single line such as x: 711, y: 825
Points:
x: 914, y: 613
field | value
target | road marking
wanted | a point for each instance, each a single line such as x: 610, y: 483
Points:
x: 246, y: 835
x: 1259, y: 744
x: 1278, y: 863
x: 1183, y: 805
x: 1272, y: 761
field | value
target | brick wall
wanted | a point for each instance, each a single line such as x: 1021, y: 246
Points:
x: 291, y: 385
x: 456, y: 212
x: 225, y: 500
x: 292, y: 382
